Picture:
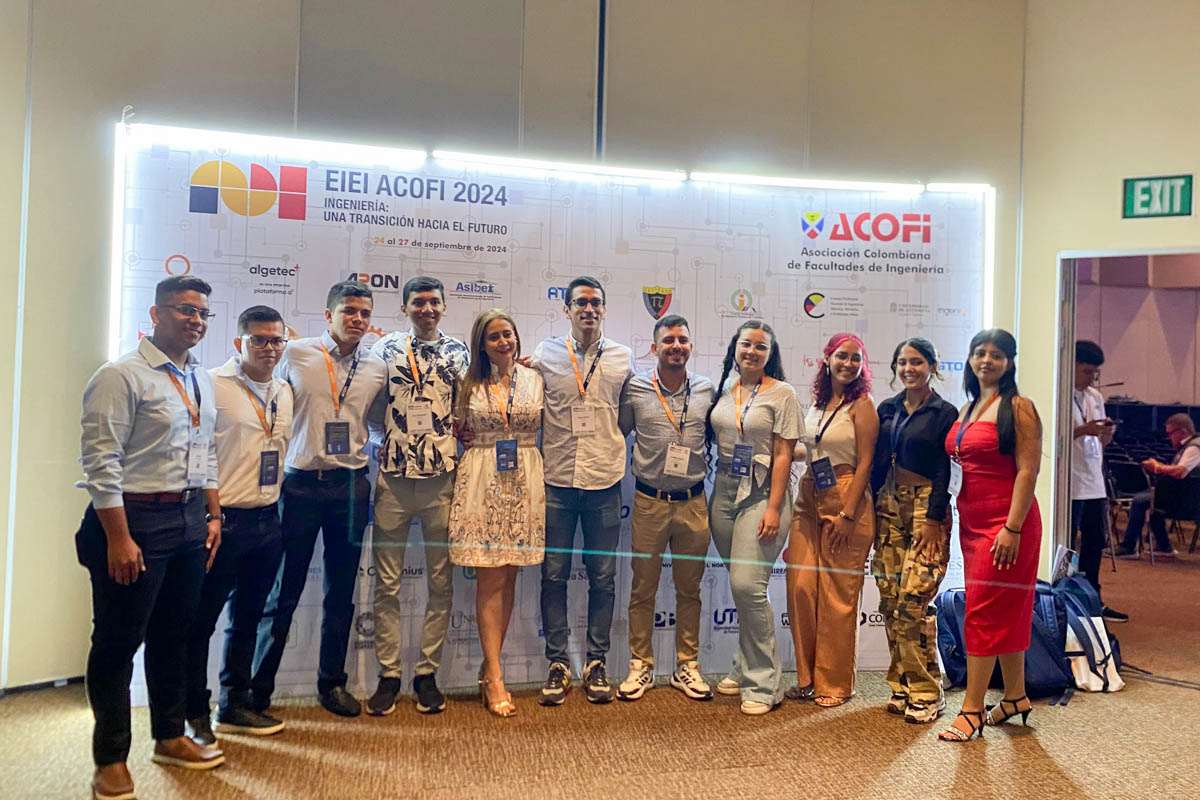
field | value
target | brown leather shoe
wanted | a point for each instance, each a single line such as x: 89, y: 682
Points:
x: 112, y: 782
x: 183, y: 752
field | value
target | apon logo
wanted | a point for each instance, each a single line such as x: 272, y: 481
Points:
x: 216, y: 182
x: 657, y: 300
x: 814, y: 305
x: 908, y: 227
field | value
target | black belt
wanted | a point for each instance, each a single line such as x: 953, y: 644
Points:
x: 335, y: 474
x: 186, y: 496
x: 680, y: 496
x: 261, y: 511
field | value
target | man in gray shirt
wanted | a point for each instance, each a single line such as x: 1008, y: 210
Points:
x: 666, y: 409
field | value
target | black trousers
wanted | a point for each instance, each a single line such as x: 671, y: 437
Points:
x: 242, y: 574
x: 1090, y: 518
x: 157, y: 609
x: 335, y: 506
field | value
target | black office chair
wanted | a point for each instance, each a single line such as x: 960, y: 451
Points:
x: 1178, y: 499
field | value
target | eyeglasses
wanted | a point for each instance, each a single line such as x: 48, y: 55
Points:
x: 263, y: 342
x: 189, y: 310
x: 584, y: 302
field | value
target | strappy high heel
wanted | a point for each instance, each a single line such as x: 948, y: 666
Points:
x: 953, y: 734
x: 501, y: 708
x: 991, y: 714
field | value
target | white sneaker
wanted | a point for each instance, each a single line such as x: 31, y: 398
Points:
x: 640, y: 678
x: 729, y: 686
x: 687, y: 679
x: 755, y: 708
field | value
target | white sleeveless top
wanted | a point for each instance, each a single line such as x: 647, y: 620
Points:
x: 837, y: 444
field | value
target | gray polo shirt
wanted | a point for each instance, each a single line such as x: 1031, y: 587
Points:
x: 642, y: 413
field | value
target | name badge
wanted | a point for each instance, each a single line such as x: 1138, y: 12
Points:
x: 506, y: 455
x: 743, y: 458
x: 268, y: 468
x: 420, y: 417
x: 678, y: 458
x: 823, y: 475
x: 956, y: 476
x: 197, y: 462
x: 583, y: 420
x: 337, y: 438
x: 1091, y: 447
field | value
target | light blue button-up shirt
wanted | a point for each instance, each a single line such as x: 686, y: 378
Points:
x: 136, y: 428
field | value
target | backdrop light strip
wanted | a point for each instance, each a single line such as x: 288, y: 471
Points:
x: 117, y: 253
x: 808, y: 183
x: 457, y: 159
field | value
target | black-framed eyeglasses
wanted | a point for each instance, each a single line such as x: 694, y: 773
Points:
x: 584, y: 302
x: 263, y: 342
x: 189, y: 310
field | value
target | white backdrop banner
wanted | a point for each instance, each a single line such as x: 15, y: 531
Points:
x: 276, y: 222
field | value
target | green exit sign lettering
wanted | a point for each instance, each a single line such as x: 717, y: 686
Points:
x: 1161, y: 196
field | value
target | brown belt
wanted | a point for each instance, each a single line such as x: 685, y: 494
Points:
x: 163, y: 497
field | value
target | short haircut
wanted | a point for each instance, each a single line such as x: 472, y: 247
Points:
x: 1181, y: 421
x: 257, y: 314
x: 584, y: 280
x: 422, y: 283
x: 669, y: 321
x: 1088, y: 353
x: 175, y: 284
x: 343, y: 289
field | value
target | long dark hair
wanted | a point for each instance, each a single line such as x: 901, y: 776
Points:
x: 922, y: 346
x: 1005, y: 427
x: 773, y: 369
x: 822, y: 386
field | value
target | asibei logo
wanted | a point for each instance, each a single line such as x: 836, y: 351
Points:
x: 215, y: 182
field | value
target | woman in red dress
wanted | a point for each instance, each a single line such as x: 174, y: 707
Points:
x: 995, y: 449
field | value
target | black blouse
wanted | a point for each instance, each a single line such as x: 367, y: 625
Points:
x: 921, y: 447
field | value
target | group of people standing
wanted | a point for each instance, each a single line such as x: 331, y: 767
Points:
x: 210, y: 488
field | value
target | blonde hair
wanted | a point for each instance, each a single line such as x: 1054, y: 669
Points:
x: 480, y: 369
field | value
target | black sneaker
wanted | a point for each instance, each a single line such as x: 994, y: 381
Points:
x: 247, y: 721
x: 383, y: 702
x: 595, y: 683
x: 430, y: 699
x: 338, y: 701
x: 558, y: 683
x: 200, y: 731
x: 1111, y: 615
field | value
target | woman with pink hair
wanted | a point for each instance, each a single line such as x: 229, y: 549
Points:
x: 833, y: 524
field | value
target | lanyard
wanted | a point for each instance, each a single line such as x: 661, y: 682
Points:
x: 687, y: 397
x: 505, y: 410
x: 966, y: 423
x: 416, y: 371
x: 581, y: 381
x: 193, y: 410
x: 338, y: 397
x: 1079, y: 405
x: 740, y: 412
x: 260, y: 409
x: 822, y: 428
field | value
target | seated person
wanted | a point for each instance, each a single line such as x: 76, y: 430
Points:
x: 1182, y: 433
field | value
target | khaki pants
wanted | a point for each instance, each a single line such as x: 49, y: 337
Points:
x: 907, y: 587
x: 683, y: 526
x: 397, y: 501
x: 824, y: 589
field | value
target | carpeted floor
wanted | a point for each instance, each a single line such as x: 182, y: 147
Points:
x: 1142, y: 742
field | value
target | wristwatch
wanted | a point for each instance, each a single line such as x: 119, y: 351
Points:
x: 210, y: 517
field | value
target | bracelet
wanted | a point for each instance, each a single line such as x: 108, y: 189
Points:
x: 844, y: 515
x: 1010, y: 530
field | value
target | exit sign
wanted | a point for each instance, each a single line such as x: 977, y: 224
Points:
x: 1161, y: 196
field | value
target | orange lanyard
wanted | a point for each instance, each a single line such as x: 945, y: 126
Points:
x: 193, y: 408
x: 505, y: 410
x: 738, y: 411
x: 412, y: 364
x: 666, y: 406
x: 338, y: 398
x: 260, y: 409
x: 581, y: 381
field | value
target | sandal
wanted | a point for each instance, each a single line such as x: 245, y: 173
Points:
x: 825, y: 701
x: 501, y: 708
x: 1016, y: 709
x: 953, y: 734
x: 801, y: 693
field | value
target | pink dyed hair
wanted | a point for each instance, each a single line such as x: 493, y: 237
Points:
x: 822, y: 387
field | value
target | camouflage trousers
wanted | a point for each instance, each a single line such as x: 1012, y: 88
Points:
x: 907, y: 586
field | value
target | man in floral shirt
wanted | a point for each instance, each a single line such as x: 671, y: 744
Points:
x: 416, y: 480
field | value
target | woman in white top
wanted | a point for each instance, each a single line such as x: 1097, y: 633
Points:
x: 755, y: 424
x: 833, y: 524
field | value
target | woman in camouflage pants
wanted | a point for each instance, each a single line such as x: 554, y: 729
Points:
x: 909, y: 477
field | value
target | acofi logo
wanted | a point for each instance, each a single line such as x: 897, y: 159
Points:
x: 248, y: 198
x: 868, y: 227
x: 814, y: 305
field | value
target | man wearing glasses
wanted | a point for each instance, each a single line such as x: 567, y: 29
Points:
x: 254, y: 424
x: 335, y: 380
x: 152, y: 528
x: 584, y: 453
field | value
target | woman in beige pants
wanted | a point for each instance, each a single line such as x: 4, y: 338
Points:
x: 833, y: 525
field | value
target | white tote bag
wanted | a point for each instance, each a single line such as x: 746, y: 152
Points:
x: 1091, y: 655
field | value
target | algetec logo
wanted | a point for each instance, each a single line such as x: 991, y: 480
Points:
x: 217, y: 182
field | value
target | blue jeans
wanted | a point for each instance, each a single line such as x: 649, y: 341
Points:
x: 598, y: 512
